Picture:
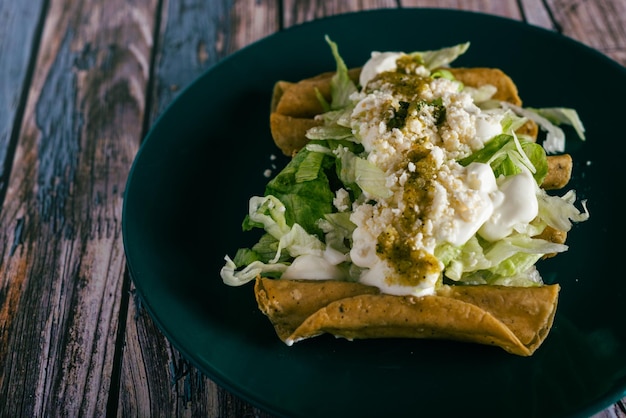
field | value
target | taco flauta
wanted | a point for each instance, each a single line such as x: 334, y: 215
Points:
x: 516, y: 319
x: 414, y: 206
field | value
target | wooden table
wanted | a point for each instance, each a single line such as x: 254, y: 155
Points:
x: 81, y: 82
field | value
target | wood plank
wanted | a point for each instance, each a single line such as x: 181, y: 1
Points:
x: 18, y: 36
x: 154, y: 374
x: 156, y: 380
x: 504, y: 8
x: 617, y: 410
x: 61, y: 271
x: 532, y: 12
x: 599, y: 24
x: 535, y: 13
x: 300, y: 11
x: 196, y: 34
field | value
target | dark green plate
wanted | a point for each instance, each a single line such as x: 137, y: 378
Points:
x: 188, y: 192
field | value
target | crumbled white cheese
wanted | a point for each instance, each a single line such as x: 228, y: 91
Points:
x: 342, y: 200
x: 460, y: 199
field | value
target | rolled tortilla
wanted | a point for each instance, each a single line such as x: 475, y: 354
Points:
x: 294, y: 105
x: 293, y: 108
x: 289, y: 132
x: 301, y: 99
x: 559, y: 171
x: 516, y: 319
x: 288, y: 303
x: 506, y: 90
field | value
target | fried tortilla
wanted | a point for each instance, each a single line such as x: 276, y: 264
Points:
x: 559, y: 171
x: 300, y: 99
x: 301, y: 309
x: 516, y: 319
x: 506, y: 90
x: 289, y: 132
x: 288, y: 303
x: 294, y: 105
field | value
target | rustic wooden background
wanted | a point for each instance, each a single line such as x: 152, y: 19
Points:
x: 81, y: 82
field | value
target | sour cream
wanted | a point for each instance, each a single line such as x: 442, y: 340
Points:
x: 380, y: 269
x: 313, y: 267
x: 518, y: 206
x: 473, y: 211
x: 379, y: 62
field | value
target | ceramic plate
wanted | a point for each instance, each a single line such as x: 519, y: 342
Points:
x: 188, y: 192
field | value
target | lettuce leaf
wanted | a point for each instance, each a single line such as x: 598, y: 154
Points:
x: 507, y: 156
x: 440, y: 57
x: 304, y: 188
x: 341, y: 85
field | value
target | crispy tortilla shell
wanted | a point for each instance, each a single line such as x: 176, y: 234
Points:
x: 480, y: 76
x: 289, y: 132
x: 288, y: 303
x: 301, y: 99
x: 294, y: 104
x: 506, y: 90
x: 559, y: 171
x: 516, y: 319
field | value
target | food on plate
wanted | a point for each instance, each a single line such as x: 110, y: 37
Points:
x: 559, y: 171
x: 415, y: 205
x: 294, y: 105
x: 301, y: 309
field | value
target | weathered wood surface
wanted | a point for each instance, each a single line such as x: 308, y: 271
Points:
x: 81, y: 81
x: 62, y: 269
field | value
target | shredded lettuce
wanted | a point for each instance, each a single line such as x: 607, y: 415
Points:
x: 559, y: 211
x: 334, y: 131
x: 508, y: 156
x: 306, y: 209
x: 360, y: 172
x: 303, y: 187
x: 233, y: 277
x: 548, y: 120
x: 338, y: 230
x: 440, y: 57
x: 481, y: 262
x: 341, y: 86
x: 562, y: 116
x: 481, y: 94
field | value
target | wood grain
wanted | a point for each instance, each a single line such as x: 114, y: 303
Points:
x: 18, y: 38
x: 81, y: 82
x: 63, y: 276
x: 300, y: 11
x: 156, y: 380
x: 184, y: 387
x: 505, y: 8
x: 600, y: 24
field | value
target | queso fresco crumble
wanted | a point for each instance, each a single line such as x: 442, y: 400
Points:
x: 435, y: 183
